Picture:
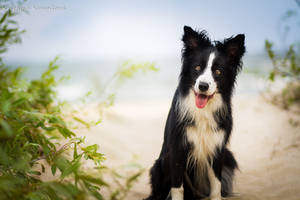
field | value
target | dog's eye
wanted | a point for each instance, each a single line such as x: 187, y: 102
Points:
x: 197, y: 68
x: 218, y: 72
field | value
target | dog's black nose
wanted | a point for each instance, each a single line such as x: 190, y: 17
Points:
x: 203, y: 86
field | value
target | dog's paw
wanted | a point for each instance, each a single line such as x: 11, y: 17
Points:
x: 177, y: 198
x: 216, y: 198
x: 177, y: 193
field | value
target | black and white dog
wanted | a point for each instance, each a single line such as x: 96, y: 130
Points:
x: 194, y: 161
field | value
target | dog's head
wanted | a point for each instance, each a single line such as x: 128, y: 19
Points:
x: 209, y: 67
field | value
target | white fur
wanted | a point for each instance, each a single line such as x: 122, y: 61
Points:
x: 215, y: 185
x: 177, y: 193
x: 207, y: 77
x: 205, y: 145
x: 205, y: 135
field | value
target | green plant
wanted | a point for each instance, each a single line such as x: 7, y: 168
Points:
x: 9, y: 31
x: 286, y: 64
x: 31, y: 129
x: 37, y: 141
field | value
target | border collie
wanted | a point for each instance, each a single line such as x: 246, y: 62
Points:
x: 194, y: 162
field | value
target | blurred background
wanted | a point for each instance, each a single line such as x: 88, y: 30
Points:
x: 93, y: 39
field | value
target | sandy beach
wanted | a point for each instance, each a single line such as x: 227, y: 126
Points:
x: 266, y: 145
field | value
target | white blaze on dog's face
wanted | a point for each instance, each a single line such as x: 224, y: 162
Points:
x: 207, y: 78
x: 205, y: 86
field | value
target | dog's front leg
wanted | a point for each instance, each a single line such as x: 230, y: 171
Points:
x: 176, y: 192
x: 215, y: 176
x: 215, y: 185
x: 178, y: 163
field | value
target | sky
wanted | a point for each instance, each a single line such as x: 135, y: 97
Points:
x: 102, y: 29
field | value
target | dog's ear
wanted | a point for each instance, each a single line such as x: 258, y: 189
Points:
x: 193, y: 39
x: 234, y: 47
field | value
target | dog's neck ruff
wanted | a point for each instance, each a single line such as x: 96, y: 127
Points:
x: 187, y: 109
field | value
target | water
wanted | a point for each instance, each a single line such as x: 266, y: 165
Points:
x: 92, y: 75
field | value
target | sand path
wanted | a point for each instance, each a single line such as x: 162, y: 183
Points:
x: 265, y: 144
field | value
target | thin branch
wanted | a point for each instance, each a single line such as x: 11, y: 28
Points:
x: 286, y: 73
x: 298, y: 2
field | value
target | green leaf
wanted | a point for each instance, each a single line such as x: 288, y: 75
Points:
x: 53, y: 169
x: 71, y: 168
x: 272, y: 76
x: 7, y: 129
x: 4, y: 17
x: 133, y: 178
x: 91, y: 179
x: 75, y: 154
x: 19, y: 101
x: 82, y: 122
x: 35, y: 173
x: 43, y: 168
x: 66, y: 132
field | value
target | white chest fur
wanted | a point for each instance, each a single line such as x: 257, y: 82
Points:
x: 204, y: 135
x: 205, y: 142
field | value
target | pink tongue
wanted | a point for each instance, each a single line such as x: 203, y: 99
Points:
x: 201, y: 100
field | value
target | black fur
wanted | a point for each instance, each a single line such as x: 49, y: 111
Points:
x: 171, y: 169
